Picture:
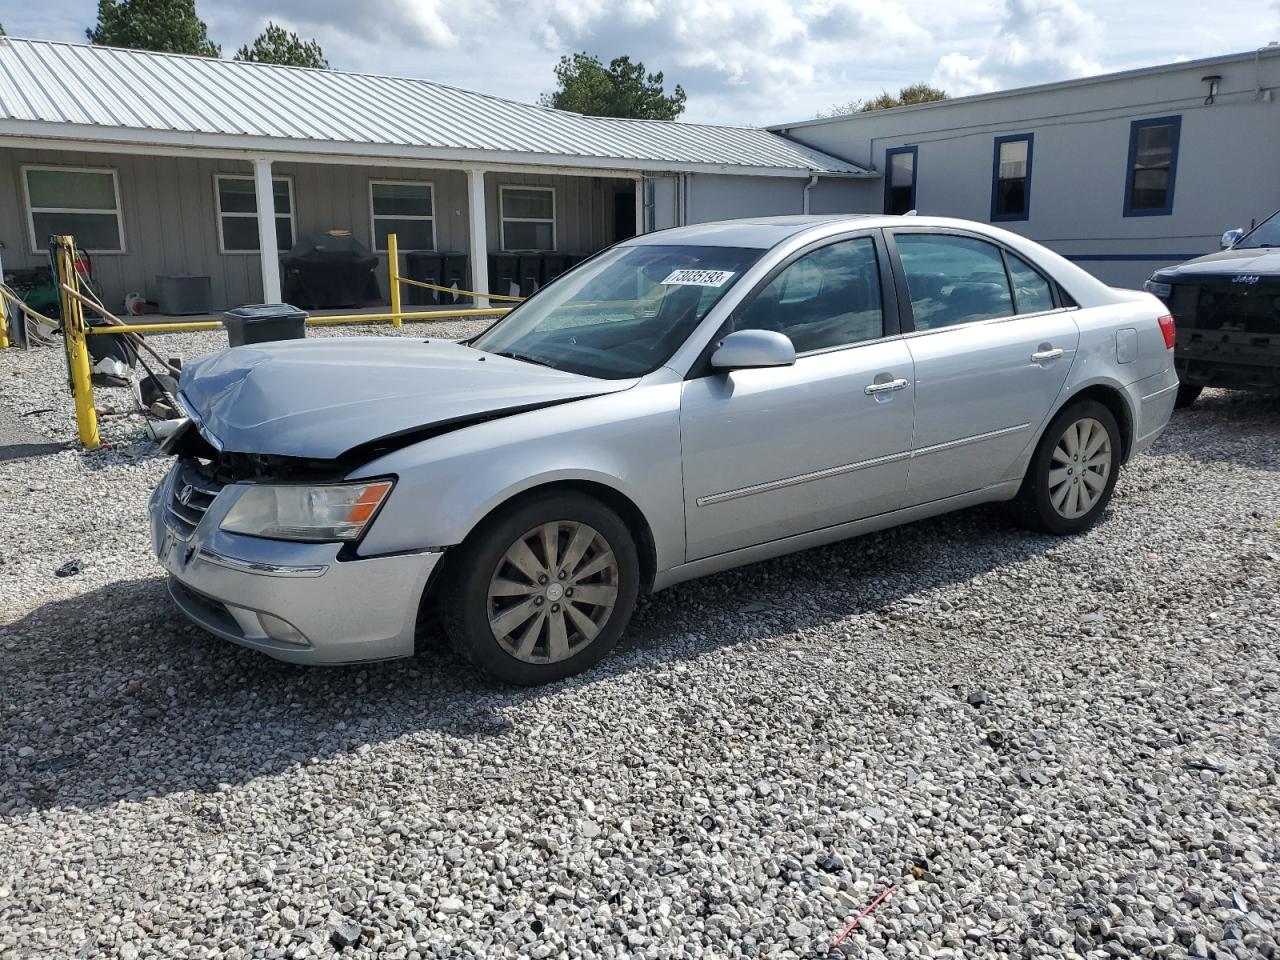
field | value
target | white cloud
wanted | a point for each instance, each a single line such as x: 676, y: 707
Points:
x: 740, y: 61
x: 1037, y: 41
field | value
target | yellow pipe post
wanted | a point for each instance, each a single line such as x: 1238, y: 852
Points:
x: 73, y: 327
x: 393, y: 277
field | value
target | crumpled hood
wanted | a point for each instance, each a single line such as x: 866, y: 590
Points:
x: 320, y: 398
x: 1259, y: 260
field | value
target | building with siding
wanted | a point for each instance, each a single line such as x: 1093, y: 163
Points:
x: 172, y: 165
x: 1122, y: 173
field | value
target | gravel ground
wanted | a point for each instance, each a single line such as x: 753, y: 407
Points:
x: 1053, y: 748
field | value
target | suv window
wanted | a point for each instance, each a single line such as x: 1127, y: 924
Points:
x: 1031, y: 291
x: 830, y: 297
x: 953, y: 279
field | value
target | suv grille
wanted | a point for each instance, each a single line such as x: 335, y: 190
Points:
x: 1217, y: 303
x: 193, y: 494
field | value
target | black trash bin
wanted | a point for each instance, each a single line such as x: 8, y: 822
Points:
x: 453, y: 268
x: 504, y: 274
x: 554, y: 264
x: 425, y: 267
x: 263, y: 323
x: 529, y: 273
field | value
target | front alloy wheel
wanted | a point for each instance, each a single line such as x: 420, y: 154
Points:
x: 542, y: 589
x: 553, y: 591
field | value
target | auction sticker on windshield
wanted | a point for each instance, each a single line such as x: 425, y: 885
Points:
x: 699, y: 278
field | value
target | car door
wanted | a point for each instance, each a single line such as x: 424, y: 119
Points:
x: 771, y: 453
x: 992, y: 345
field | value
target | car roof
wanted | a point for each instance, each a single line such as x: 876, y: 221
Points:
x: 766, y: 232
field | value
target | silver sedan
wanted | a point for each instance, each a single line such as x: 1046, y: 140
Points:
x: 682, y: 403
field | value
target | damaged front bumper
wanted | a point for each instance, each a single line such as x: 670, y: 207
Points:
x: 299, y: 602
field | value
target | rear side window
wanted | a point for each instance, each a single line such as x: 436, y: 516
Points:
x: 953, y: 279
x: 830, y: 297
x: 1031, y: 291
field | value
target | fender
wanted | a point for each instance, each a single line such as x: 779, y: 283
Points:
x: 447, y: 484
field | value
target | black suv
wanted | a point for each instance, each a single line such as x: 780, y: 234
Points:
x: 1226, y: 308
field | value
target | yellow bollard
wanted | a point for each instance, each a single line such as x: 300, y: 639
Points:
x: 393, y: 278
x: 73, y: 327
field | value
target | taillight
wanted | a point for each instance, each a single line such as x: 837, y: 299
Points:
x: 1170, y: 332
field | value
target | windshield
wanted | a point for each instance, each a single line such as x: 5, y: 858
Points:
x: 623, y: 313
x: 1266, y: 234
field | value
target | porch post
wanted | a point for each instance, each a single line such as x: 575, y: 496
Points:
x: 479, y: 231
x: 269, y: 255
x: 640, y: 205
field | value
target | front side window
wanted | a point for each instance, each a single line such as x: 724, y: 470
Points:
x: 899, y: 180
x: 238, y: 214
x: 528, y: 218
x: 1153, y: 165
x: 405, y: 208
x: 1011, y: 178
x: 953, y: 279
x: 621, y: 314
x: 83, y: 203
x: 827, y: 298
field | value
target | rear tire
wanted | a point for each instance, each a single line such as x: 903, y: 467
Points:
x: 1073, y: 471
x: 1188, y: 393
x: 541, y: 590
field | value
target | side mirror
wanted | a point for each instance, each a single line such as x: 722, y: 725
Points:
x: 745, y: 349
x: 1231, y: 236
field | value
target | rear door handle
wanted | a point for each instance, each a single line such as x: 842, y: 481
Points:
x: 1044, y: 356
x: 871, y: 389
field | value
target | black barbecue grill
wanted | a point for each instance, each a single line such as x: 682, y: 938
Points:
x: 331, y: 269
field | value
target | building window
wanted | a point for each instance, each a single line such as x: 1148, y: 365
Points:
x: 405, y: 208
x: 1153, y: 167
x: 899, y: 180
x: 238, y: 214
x: 528, y: 218
x: 80, y: 202
x: 1011, y: 178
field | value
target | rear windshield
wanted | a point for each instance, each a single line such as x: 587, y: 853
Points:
x: 621, y: 314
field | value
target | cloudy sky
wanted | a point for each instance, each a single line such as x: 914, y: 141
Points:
x: 740, y: 61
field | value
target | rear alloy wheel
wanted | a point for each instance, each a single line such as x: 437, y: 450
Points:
x: 544, y: 590
x: 1073, y: 472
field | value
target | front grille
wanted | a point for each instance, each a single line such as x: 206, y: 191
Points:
x: 193, y: 493
x: 1219, y: 303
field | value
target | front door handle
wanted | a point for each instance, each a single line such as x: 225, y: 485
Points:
x: 1044, y: 356
x: 871, y: 389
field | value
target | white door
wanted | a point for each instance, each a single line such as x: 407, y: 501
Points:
x: 775, y: 452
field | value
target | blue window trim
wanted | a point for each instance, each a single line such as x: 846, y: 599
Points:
x: 995, y: 177
x: 1176, y: 123
x: 888, y: 173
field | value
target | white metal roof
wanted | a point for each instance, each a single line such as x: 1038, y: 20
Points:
x: 91, y: 93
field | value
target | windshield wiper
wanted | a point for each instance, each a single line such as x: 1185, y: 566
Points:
x: 512, y: 355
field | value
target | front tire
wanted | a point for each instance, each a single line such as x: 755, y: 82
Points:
x: 543, y: 589
x: 1073, y: 471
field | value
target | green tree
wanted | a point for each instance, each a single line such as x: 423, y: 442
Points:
x: 169, y: 26
x: 2, y: 33
x: 622, y: 89
x: 278, y: 45
x: 907, y: 96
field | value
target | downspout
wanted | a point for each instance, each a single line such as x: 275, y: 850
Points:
x: 813, y: 182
